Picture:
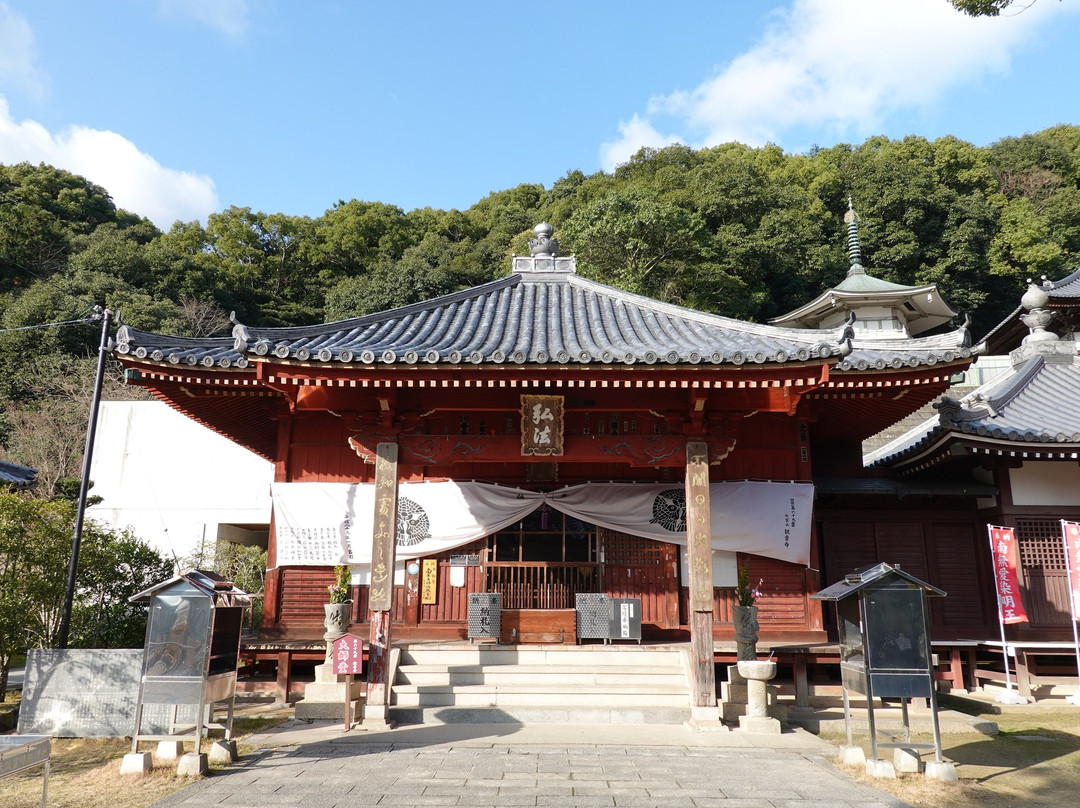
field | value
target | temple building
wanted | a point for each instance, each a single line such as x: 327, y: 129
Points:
x: 543, y: 435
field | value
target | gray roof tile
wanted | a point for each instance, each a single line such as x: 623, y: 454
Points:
x: 1022, y: 406
x: 519, y: 319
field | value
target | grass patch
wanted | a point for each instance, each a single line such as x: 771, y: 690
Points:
x: 85, y: 773
x: 1033, y: 761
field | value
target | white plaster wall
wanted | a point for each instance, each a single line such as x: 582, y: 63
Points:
x: 172, y: 480
x: 1047, y: 482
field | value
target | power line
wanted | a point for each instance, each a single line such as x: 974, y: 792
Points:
x: 84, y: 320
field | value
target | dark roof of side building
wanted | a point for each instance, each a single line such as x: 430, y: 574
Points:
x: 18, y: 476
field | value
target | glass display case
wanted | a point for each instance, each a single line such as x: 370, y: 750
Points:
x: 884, y: 632
x: 191, y: 656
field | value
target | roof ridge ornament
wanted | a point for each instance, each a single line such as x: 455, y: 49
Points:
x: 854, y: 248
x: 544, y: 258
x: 543, y: 245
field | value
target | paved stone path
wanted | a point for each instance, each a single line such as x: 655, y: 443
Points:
x: 522, y: 768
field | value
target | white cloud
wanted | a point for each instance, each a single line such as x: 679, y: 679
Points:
x: 230, y: 17
x: 18, y: 53
x: 136, y: 181
x: 633, y: 135
x: 837, y: 66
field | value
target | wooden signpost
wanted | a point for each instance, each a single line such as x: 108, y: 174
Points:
x: 348, y: 660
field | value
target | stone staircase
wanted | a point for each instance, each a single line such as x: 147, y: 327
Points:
x: 533, y: 684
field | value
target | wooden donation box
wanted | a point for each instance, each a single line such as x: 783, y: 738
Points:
x: 191, y: 656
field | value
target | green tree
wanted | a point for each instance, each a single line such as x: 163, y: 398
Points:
x: 35, y: 547
x: 243, y: 564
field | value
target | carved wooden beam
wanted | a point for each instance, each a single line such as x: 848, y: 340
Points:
x: 654, y: 451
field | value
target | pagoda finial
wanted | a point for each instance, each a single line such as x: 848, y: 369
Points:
x: 854, y: 248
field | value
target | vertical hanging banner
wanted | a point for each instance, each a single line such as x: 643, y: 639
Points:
x: 1005, y: 555
x: 1070, y: 531
x: 541, y: 426
x: 381, y: 593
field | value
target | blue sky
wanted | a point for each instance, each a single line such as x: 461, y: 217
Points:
x: 181, y: 108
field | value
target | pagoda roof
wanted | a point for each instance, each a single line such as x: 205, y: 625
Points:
x: 16, y: 475
x: 921, y: 307
x: 529, y: 317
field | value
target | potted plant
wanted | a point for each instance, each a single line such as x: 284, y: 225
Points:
x: 337, y: 610
x: 744, y: 615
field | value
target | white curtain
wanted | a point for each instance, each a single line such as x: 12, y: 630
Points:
x: 331, y: 523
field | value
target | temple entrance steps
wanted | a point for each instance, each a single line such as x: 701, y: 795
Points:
x: 537, y: 684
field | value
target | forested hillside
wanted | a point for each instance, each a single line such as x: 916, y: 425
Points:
x: 746, y: 232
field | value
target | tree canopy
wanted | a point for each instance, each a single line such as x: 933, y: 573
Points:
x: 736, y: 230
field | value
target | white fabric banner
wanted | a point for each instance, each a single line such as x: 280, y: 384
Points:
x: 331, y: 523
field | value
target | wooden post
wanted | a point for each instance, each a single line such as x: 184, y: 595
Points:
x: 699, y: 549
x: 381, y: 592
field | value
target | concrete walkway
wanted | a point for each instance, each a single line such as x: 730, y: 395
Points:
x: 319, y: 765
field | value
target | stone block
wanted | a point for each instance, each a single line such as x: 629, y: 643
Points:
x: 881, y: 768
x: 327, y: 710
x: 136, y: 763
x: 193, y: 764
x: 907, y: 760
x: 759, y: 724
x: 169, y: 750
x: 852, y: 756
x: 941, y: 770
x: 223, y: 752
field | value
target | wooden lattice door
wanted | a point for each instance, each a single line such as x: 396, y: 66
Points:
x: 646, y: 569
x: 1042, y: 557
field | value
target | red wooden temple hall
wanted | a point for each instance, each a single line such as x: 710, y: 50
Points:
x: 543, y: 435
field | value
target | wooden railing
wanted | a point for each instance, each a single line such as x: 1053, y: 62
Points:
x: 541, y: 584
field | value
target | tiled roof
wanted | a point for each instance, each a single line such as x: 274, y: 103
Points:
x: 18, y: 476
x: 538, y: 317
x: 1030, y: 405
x: 870, y: 354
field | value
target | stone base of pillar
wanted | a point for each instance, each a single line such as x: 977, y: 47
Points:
x: 941, y: 770
x: 137, y: 763
x: 881, y: 768
x: 377, y: 716
x: 169, y: 750
x: 193, y: 764
x: 907, y: 760
x: 760, y: 724
x: 852, y: 756
x: 222, y: 752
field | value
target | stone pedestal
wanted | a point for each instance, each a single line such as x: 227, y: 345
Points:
x: 733, y: 698
x: 907, y: 760
x: 169, y: 750
x: 941, y: 770
x: 136, y: 763
x: 757, y: 674
x: 192, y: 764
x: 852, y: 756
x: 222, y: 752
x: 881, y: 768
x: 325, y: 697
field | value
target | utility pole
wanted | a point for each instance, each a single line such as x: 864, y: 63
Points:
x: 88, y: 453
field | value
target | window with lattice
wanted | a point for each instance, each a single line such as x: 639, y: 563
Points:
x: 1040, y: 543
x: 621, y: 550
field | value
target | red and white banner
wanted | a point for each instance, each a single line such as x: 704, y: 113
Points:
x: 1070, y: 531
x: 1005, y: 554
